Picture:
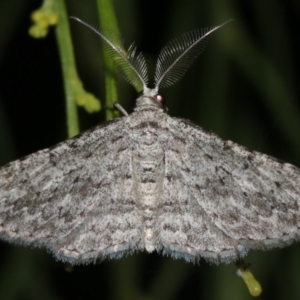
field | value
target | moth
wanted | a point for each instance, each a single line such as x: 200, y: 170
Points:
x: 150, y: 182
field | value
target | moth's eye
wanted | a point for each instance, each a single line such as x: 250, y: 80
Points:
x: 161, y: 99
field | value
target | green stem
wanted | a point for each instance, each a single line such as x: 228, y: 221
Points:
x: 107, y: 18
x: 70, y: 77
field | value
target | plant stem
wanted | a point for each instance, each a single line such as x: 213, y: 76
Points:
x: 107, y: 18
x: 70, y: 77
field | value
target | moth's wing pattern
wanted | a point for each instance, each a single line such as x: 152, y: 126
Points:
x: 221, y: 199
x: 75, y: 198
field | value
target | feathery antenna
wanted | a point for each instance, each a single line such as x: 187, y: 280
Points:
x: 178, y: 55
x: 173, y: 61
x: 133, y: 65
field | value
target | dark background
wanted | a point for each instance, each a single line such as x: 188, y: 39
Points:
x: 245, y: 87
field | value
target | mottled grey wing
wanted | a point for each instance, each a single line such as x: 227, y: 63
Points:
x: 75, y: 198
x: 220, y: 199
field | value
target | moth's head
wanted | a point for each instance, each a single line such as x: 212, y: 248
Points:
x: 151, y: 97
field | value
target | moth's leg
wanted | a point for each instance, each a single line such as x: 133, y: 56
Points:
x: 119, y: 107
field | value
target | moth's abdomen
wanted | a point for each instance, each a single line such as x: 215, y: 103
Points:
x: 148, y: 175
x: 148, y: 186
x: 148, y: 170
